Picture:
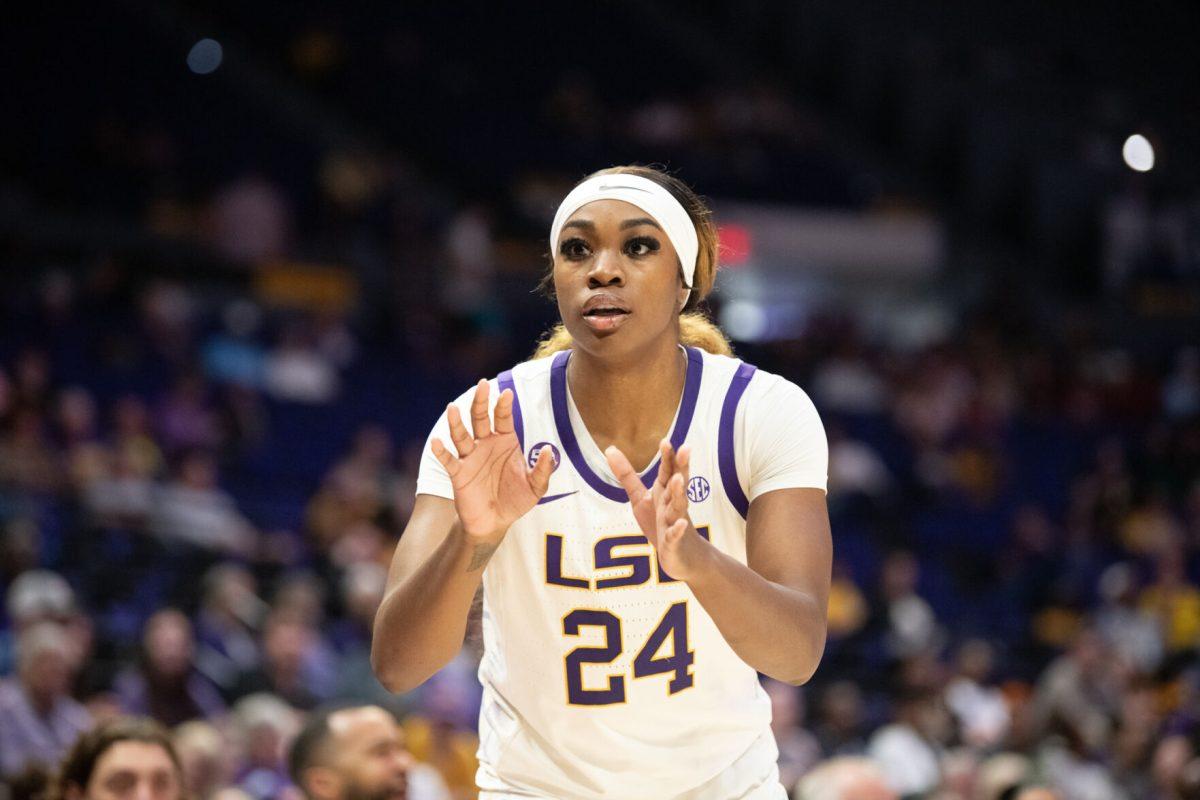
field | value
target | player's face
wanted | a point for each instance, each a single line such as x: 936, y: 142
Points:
x: 616, y: 276
x: 134, y: 771
x: 370, y: 755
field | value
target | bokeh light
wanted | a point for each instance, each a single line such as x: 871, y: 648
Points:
x: 205, y: 56
x: 1138, y: 153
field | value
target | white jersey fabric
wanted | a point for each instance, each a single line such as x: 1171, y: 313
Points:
x: 603, y: 677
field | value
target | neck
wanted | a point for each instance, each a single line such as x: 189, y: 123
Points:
x: 629, y: 403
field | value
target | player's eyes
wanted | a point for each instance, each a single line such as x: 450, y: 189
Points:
x: 642, y: 246
x: 573, y: 249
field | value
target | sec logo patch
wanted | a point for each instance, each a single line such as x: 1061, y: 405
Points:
x: 698, y: 489
x: 531, y: 459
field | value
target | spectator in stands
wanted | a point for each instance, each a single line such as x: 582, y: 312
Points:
x: 75, y: 418
x: 262, y: 725
x: 124, y: 758
x: 799, y: 750
x: 227, y: 625
x: 287, y: 643
x: 28, y: 461
x: 358, y: 752
x: 905, y: 619
x: 910, y: 749
x: 1078, y: 689
x: 204, y: 757
x: 1131, y: 632
x: 165, y: 686
x: 979, y: 707
x: 841, y: 725
x: 355, y: 507
x: 134, y: 439
x: 39, y: 720
x: 1173, y: 599
x: 185, y: 419
x: 193, y: 512
x: 36, y: 595
x: 362, y: 588
x: 301, y: 596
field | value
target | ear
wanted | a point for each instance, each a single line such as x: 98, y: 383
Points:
x: 73, y: 792
x: 321, y: 783
x: 682, y: 298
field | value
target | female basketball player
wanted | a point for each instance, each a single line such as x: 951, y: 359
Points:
x: 647, y: 518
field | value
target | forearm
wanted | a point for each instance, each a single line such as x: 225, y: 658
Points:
x: 775, y: 629
x: 422, y: 621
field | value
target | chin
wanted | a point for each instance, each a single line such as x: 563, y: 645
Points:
x: 605, y: 343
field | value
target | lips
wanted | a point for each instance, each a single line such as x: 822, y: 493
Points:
x: 604, y: 312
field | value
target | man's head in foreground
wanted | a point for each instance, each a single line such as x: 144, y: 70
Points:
x: 351, y: 754
x: 123, y: 759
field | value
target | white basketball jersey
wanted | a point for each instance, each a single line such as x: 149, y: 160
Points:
x: 603, y: 676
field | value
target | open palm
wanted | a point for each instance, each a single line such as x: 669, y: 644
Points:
x: 492, y: 485
x: 662, y: 510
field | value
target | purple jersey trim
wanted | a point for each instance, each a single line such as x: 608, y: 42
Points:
x: 505, y: 379
x: 726, y: 462
x: 566, y: 434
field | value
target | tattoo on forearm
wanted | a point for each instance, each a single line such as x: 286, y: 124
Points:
x: 480, y: 556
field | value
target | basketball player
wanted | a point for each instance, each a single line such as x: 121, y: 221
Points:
x: 646, y: 515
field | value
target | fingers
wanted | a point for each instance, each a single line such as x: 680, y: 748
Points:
x: 675, y: 531
x: 646, y: 515
x: 479, y: 410
x: 677, y: 495
x: 625, y: 474
x: 683, y: 461
x: 444, y: 457
x: 666, y: 462
x: 463, y: 442
x: 504, y: 413
x: 539, y: 476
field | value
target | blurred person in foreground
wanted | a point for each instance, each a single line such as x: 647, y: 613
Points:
x: 358, y: 753
x: 128, y: 757
x: 39, y: 720
x: 845, y: 778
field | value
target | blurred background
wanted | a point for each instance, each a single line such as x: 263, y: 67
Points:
x: 250, y: 250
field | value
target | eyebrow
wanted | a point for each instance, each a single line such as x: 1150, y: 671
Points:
x: 588, y: 225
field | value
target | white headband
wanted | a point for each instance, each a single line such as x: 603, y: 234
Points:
x: 646, y: 195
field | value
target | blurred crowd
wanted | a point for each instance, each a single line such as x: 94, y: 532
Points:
x: 225, y: 334
x: 1016, y: 526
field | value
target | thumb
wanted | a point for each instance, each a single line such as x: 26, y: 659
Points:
x: 539, y: 476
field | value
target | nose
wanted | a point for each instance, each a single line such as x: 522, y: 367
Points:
x: 403, y: 761
x: 606, y: 270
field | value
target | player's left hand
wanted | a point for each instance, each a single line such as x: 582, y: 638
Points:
x: 662, y: 510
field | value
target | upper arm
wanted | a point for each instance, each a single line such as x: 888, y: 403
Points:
x: 788, y: 541
x: 427, y: 527
x: 786, y: 456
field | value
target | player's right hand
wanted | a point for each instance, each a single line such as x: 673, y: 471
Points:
x: 492, y: 485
